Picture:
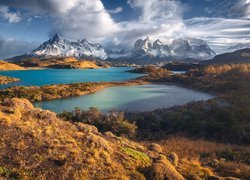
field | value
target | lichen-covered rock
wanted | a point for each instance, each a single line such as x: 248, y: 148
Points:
x: 109, y: 134
x: 155, y: 148
x: 173, y: 158
x: 162, y: 169
x: 86, y: 128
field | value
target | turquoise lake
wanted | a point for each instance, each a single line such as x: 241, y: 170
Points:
x: 67, y: 76
x: 129, y: 99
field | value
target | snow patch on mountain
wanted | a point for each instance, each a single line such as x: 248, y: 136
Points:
x: 59, y: 46
x: 183, y: 48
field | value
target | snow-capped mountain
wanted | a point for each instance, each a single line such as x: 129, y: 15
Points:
x: 144, y: 49
x: 182, y: 48
x: 59, y: 46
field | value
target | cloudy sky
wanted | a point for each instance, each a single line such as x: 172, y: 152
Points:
x: 24, y: 24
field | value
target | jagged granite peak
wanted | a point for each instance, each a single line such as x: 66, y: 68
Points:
x: 200, y: 47
x: 143, y: 44
x: 180, y: 47
x: 157, y: 44
x: 58, y: 46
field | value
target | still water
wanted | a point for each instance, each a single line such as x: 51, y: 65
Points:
x: 67, y: 76
x: 130, y: 98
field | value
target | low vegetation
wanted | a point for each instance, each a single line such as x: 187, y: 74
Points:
x: 181, y: 66
x: 39, y: 93
x: 111, y: 121
x: 8, y: 80
x: 152, y: 71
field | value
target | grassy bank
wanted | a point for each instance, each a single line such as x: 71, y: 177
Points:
x: 39, y: 93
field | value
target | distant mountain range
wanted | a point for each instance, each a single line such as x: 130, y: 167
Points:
x: 144, y: 49
x: 179, y: 48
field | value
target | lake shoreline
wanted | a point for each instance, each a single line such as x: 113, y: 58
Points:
x: 67, y: 90
x: 135, y: 98
x: 41, y: 93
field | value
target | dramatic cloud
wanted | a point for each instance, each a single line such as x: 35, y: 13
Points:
x: 162, y: 19
x: 11, y: 47
x: 158, y: 19
x: 51, y: 7
x: 159, y: 10
x: 231, y: 9
x: 219, y: 32
x: 9, y: 16
x: 87, y: 19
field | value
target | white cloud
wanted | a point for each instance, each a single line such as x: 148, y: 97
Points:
x: 219, y: 32
x: 116, y: 10
x: 162, y: 19
x: 87, y: 19
x: 158, y: 19
x: 159, y: 10
x: 51, y: 7
x: 9, y: 16
x: 241, y: 9
x: 230, y: 9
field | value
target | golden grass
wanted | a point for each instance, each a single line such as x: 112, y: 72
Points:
x: 35, y: 144
x: 201, y: 158
x: 9, y: 66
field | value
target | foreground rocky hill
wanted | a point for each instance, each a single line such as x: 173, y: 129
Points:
x: 35, y: 144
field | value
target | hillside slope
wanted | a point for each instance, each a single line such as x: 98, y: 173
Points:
x: 240, y: 56
x: 35, y: 144
x: 58, y: 63
x: 4, y: 66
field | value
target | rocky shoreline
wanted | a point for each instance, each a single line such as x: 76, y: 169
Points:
x: 7, y: 80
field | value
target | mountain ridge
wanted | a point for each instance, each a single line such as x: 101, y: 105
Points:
x: 180, y: 48
x: 60, y: 47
